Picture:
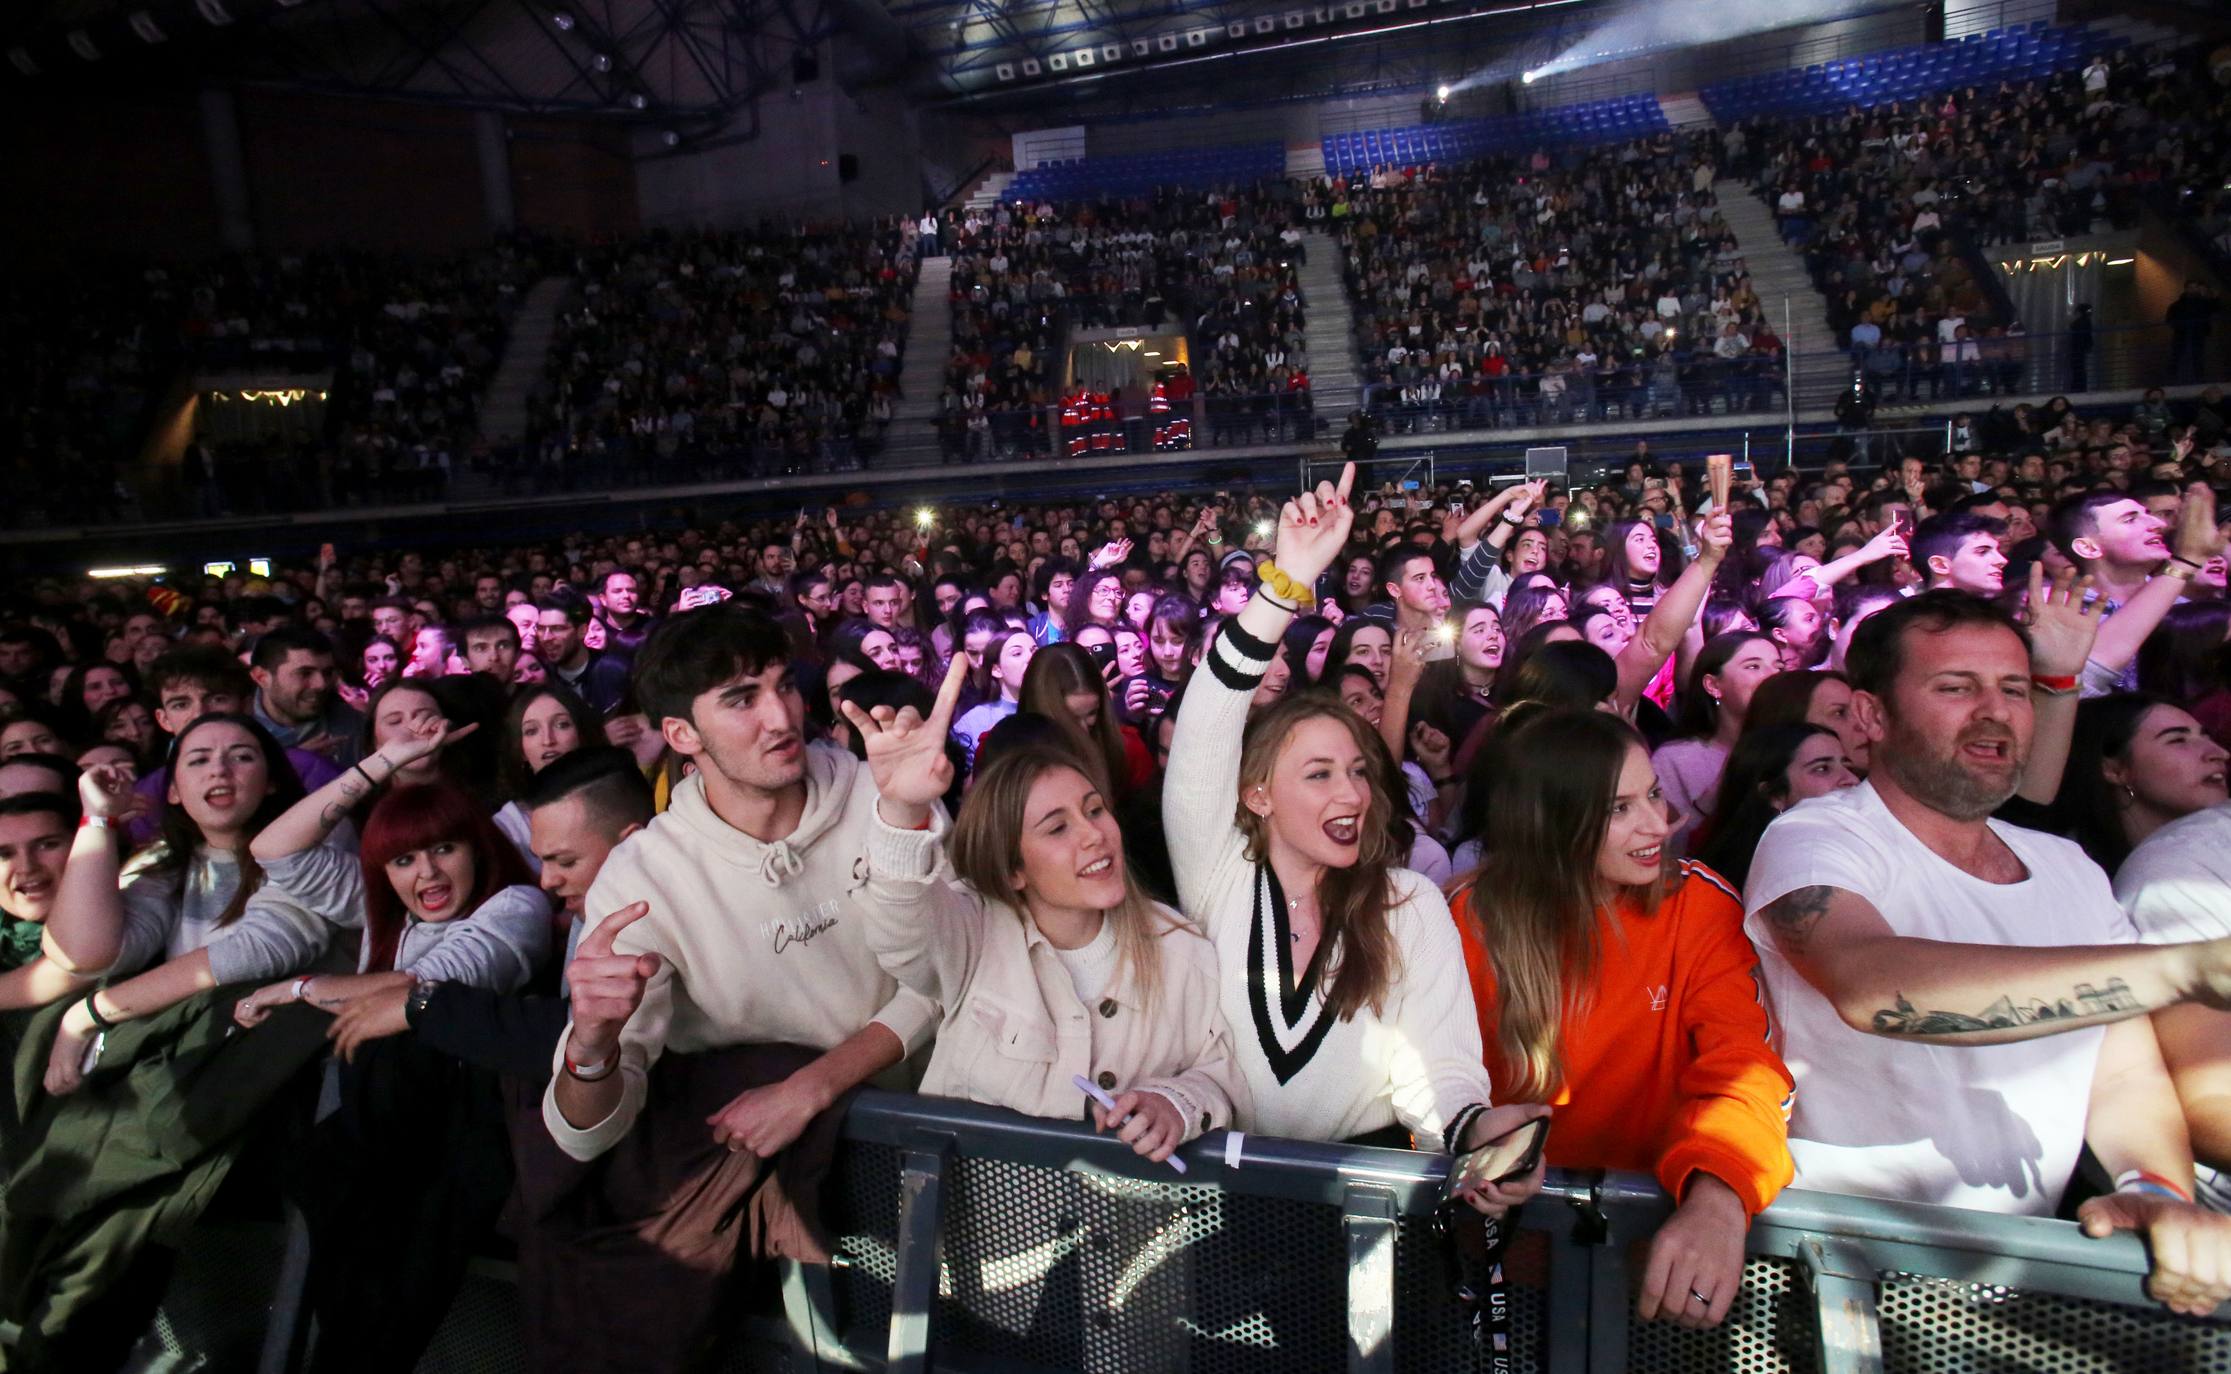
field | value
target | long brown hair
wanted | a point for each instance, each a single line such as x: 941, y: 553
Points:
x: 1351, y: 902
x: 986, y: 848
x: 1056, y: 672
x: 1535, y: 897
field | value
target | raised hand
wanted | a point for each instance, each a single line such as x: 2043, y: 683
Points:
x: 422, y: 738
x: 2197, y: 538
x: 1888, y: 544
x: 1411, y: 650
x: 1716, y: 535
x: 1313, y: 528
x: 607, y: 987
x: 106, y: 790
x: 2062, y: 626
x: 906, y: 753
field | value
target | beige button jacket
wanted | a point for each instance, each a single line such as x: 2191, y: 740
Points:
x: 1015, y: 1033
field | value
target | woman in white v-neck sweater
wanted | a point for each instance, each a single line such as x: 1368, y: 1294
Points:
x: 1412, y: 1060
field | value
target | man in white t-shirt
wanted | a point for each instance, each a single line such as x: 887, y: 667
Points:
x: 1962, y: 1003
x: 2177, y: 886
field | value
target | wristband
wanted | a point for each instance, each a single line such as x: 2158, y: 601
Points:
x: 369, y: 780
x: 2150, y: 1184
x: 89, y: 821
x: 2054, y: 685
x: 2180, y: 558
x: 301, y: 988
x: 590, y: 1073
x: 100, y: 1022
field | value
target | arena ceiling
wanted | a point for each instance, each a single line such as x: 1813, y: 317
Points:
x: 669, y: 59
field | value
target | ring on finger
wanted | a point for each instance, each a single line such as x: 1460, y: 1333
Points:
x: 1700, y: 1297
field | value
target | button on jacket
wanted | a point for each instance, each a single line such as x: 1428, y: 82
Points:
x: 1015, y: 1032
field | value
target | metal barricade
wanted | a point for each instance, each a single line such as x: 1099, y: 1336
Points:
x: 974, y: 1238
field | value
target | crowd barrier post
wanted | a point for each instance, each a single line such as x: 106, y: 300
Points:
x: 914, y: 1293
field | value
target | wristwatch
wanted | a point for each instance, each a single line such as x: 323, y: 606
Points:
x: 414, y: 1006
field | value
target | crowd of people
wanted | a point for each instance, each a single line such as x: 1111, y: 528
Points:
x: 1686, y: 826
x: 687, y: 355
x: 1890, y: 204
x: 401, y: 351
x: 1554, y: 288
x: 1219, y: 267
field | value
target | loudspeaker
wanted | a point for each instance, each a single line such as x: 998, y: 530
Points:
x: 848, y: 167
x: 804, y: 66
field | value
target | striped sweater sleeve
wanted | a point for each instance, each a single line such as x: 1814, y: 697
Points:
x: 1480, y: 576
x: 1201, y: 787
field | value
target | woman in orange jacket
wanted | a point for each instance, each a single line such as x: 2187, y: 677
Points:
x: 1624, y: 993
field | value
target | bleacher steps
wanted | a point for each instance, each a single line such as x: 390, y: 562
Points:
x: 503, y: 409
x: 1778, y: 272
x: 1329, y: 327
x: 929, y: 341
x: 1685, y: 111
x: 989, y: 191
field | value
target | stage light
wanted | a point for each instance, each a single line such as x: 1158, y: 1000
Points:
x: 145, y: 26
x: 81, y: 43
x: 638, y: 101
x: 1441, y: 93
x: 602, y: 62
x: 1527, y: 78
x: 21, y: 60
x: 563, y: 20
x: 671, y: 139
x: 214, y: 12
x: 135, y: 570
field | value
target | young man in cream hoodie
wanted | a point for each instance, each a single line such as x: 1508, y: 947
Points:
x: 732, y: 918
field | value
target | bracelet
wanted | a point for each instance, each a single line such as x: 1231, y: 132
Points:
x: 2151, y: 1184
x: 2183, y: 569
x: 369, y: 780
x: 2054, y: 685
x: 1509, y: 519
x: 2180, y: 558
x: 100, y: 1022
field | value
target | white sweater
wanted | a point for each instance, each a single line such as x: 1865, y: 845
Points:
x: 1309, y: 1075
x: 758, y: 943
x: 1018, y: 1031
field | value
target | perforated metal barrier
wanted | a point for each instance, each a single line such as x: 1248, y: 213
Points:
x: 974, y: 1239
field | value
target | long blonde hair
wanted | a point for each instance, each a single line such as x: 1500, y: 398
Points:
x: 986, y: 848
x: 1351, y: 902
x: 1551, y: 776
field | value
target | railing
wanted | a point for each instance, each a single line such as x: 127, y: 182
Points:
x: 974, y: 1238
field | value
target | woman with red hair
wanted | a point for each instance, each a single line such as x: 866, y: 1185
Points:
x: 441, y: 895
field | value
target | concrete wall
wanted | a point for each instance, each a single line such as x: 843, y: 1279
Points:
x: 1691, y: 68
x: 573, y: 176
x: 779, y: 159
x: 334, y: 171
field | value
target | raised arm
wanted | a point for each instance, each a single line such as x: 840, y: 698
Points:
x: 1888, y: 544
x: 310, y: 820
x: 85, y: 931
x: 908, y: 933
x: 1940, y: 992
x: 1479, y: 570
x: 2196, y: 541
x: 1661, y: 631
x: 2063, y: 623
x: 1201, y: 789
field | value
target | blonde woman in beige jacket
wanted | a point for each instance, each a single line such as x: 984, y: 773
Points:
x: 1047, y: 963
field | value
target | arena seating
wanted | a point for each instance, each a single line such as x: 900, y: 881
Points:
x: 1901, y: 74
x: 1602, y: 121
x: 1138, y: 173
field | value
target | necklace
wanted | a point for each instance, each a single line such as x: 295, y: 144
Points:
x: 1292, y: 906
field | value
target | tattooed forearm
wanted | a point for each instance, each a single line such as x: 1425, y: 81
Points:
x: 2108, y: 1002
x: 352, y: 792
x: 1794, y: 914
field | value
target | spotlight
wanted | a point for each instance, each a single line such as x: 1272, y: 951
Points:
x: 145, y: 26
x: 671, y: 139
x: 1527, y: 78
x: 638, y: 101
x: 82, y: 44
x: 1441, y: 93
x: 564, y: 20
x: 602, y: 62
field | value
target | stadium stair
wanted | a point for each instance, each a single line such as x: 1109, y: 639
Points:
x: 990, y: 191
x: 503, y: 410
x: 1685, y: 112
x: 1777, y: 271
x: 929, y: 342
x: 1329, y: 328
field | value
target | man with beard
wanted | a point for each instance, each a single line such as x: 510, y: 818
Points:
x: 1963, y: 1004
